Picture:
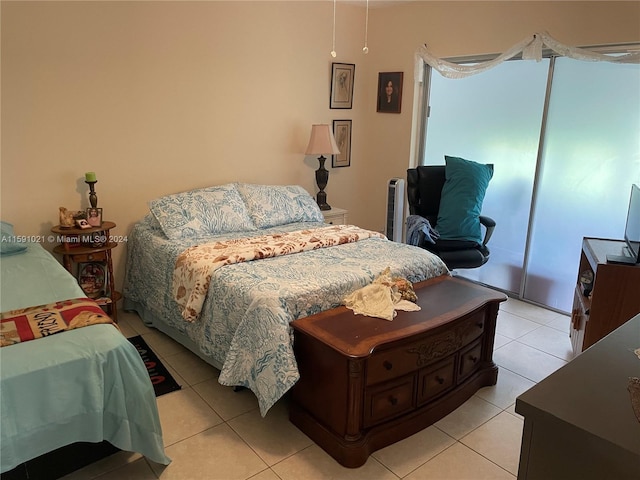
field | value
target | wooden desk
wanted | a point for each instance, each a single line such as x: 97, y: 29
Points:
x: 615, y: 297
x: 578, y: 422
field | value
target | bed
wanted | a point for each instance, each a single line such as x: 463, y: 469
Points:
x: 242, y: 327
x: 83, y: 385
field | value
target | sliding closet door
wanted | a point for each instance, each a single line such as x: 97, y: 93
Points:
x: 591, y: 156
x: 494, y: 117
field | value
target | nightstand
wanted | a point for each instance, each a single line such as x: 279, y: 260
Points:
x: 90, y: 249
x: 335, y: 216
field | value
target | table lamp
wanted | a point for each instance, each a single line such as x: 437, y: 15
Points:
x: 322, y: 142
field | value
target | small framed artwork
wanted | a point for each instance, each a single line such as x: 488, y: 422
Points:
x: 94, y: 216
x: 342, y: 134
x: 389, y: 92
x: 342, y: 75
x: 92, y: 278
x: 82, y: 223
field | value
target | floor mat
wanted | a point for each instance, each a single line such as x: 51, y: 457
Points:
x: 160, y: 377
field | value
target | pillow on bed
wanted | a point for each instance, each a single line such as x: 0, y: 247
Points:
x: 201, y: 213
x: 461, y: 199
x: 273, y: 205
x: 8, y: 244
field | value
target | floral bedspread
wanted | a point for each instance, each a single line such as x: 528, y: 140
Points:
x: 243, y: 327
x: 196, y: 264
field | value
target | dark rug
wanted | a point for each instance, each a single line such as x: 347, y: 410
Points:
x: 160, y: 377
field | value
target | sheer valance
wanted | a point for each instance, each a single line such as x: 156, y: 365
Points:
x: 531, y: 49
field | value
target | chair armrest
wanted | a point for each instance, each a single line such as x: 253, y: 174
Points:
x: 490, y: 224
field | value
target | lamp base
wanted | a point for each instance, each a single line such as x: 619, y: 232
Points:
x: 321, y: 200
x: 322, y: 177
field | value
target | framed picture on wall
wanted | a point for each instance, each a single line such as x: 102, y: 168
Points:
x: 389, y: 92
x: 342, y: 134
x: 342, y: 75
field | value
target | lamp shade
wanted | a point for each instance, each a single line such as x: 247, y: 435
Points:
x: 322, y: 141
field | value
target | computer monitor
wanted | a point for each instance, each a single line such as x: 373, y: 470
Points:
x: 631, y: 232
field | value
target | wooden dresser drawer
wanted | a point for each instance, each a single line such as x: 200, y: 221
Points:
x: 388, y: 364
x: 472, y: 328
x: 470, y: 360
x: 388, y: 400
x: 90, y: 257
x: 433, y: 381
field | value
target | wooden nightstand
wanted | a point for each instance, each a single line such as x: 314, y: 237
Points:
x: 335, y: 216
x: 90, y: 249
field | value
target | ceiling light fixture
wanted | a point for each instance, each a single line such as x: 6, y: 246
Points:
x: 365, y: 49
x: 333, y: 50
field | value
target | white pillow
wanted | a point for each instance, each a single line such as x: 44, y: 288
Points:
x: 202, y: 212
x: 273, y: 205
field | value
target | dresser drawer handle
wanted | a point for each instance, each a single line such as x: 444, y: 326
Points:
x: 387, y: 364
x: 439, y: 379
x: 393, y: 400
x: 473, y: 358
x: 480, y: 324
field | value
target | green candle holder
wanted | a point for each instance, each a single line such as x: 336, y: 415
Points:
x: 93, y: 198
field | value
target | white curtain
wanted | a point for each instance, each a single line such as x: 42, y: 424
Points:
x: 531, y: 49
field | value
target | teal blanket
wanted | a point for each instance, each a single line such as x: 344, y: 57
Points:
x: 85, y: 385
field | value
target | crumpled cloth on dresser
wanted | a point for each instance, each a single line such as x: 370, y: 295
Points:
x: 382, y: 298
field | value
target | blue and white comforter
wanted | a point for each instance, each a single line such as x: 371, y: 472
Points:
x: 244, y: 324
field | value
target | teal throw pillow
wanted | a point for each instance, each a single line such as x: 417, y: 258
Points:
x: 461, y: 199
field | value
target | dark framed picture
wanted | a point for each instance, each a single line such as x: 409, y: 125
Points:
x: 92, y: 278
x: 342, y: 75
x: 342, y: 134
x: 390, y: 92
x: 94, y: 216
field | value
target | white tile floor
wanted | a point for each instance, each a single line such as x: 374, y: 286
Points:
x: 211, y: 432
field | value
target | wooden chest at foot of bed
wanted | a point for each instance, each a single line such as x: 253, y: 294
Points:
x: 366, y: 383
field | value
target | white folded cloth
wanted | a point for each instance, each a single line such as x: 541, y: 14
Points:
x: 380, y: 299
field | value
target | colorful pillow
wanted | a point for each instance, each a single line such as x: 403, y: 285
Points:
x: 8, y: 244
x: 273, y: 205
x: 461, y: 199
x: 201, y: 213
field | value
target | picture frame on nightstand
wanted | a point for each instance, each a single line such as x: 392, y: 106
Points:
x: 94, y: 216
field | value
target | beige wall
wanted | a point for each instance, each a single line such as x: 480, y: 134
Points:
x: 160, y: 97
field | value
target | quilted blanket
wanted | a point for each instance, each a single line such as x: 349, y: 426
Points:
x: 194, y: 267
x: 244, y: 326
x: 40, y: 321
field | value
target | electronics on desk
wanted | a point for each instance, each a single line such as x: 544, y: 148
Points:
x: 631, y: 251
x: 586, y: 282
